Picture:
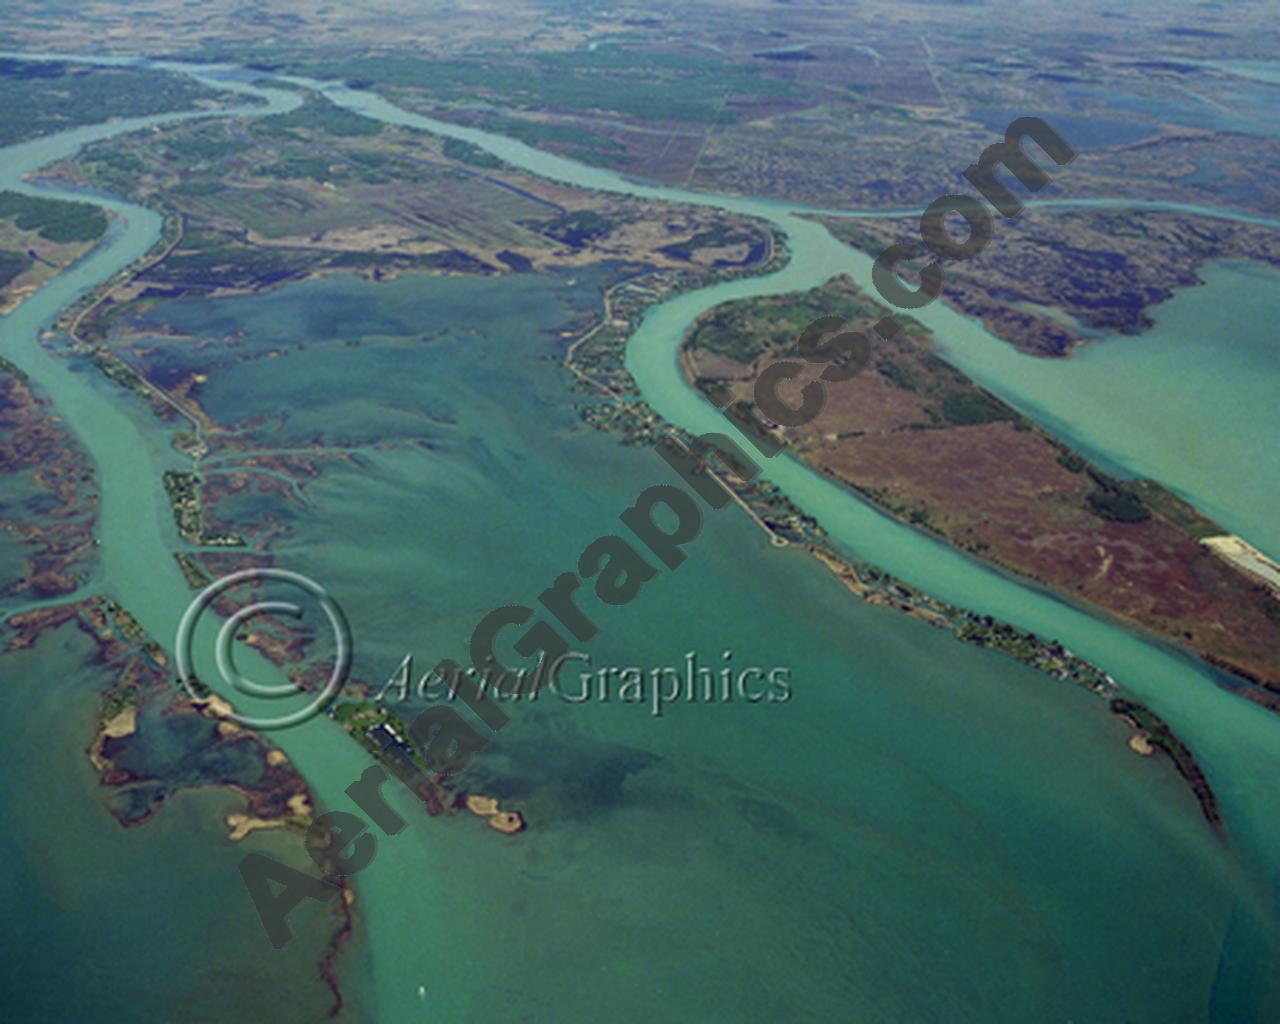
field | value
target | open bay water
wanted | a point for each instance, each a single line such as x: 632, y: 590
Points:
x: 924, y: 832
x: 130, y: 925
x: 148, y: 924
x: 962, y: 839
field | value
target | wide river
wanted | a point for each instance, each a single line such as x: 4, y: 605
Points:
x: 1151, y: 406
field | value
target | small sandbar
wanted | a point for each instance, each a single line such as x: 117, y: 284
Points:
x: 1140, y: 743
x: 242, y: 824
x: 124, y: 724
x: 1246, y: 557
x: 487, y: 807
x: 482, y: 805
x: 509, y: 822
x: 215, y: 705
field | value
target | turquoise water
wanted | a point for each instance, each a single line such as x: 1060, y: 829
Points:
x: 1260, y: 70
x: 1239, y: 367
x: 1190, y: 402
x: 148, y: 924
x: 697, y: 854
x: 962, y: 839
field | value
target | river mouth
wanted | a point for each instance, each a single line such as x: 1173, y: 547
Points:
x: 674, y: 848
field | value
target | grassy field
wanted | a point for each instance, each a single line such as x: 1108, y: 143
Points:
x: 43, y: 97
x: 641, y: 84
x: 38, y: 237
x: 316, y: 115
x: 743, y: 330
x: 13, y: 265
x: 53, y: 219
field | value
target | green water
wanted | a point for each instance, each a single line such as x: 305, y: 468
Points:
x: 1220, y: 357
x: 141, y: 925
x: 1261, y: 70
x: 699, y: 855
x: 1191, y: 402
x: 925, y: 832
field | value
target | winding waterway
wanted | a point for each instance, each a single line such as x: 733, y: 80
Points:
x: 1238, y: 743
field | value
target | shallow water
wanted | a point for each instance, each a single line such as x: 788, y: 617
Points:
x: 963, y: 839
x: 980, y: 823
x: 1191, y: 402
x: 148, y: 924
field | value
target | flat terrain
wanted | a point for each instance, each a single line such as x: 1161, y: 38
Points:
x: 253, y: 204
x: 50, y: 96
x: 879, y: 106
x: 40, y: 237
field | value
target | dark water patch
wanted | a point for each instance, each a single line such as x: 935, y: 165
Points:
x: 284, y: 359
x: 171, y: 751
x: 785, y: 55
x: 1163, y: 65
x: 134, y: 805
x: 518, y: 263
x: 570, y: 777
x: 32, y: 69
x: 574, y: 229
x: 159, y: 292
x: 1084, y: 131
